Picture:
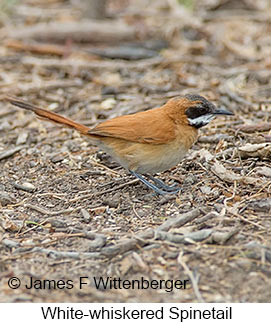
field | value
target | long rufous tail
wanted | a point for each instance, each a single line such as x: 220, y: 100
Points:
x: 45, y: 114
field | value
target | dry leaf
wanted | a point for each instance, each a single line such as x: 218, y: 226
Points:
x: 229, y: 176
x: 264, y: 171
x: 251, y: 128
x: 256, y: 150
x: 10, y: 225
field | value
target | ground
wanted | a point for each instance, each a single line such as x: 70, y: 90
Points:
x: 67, y: 210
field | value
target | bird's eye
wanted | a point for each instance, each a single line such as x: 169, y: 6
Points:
x: 203, y: 110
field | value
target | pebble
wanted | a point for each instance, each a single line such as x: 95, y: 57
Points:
x: 111, y: 202
x: 85, y: 215
x: 108, y: 104
x: 264, y: 171
x: 9, y: 152
x: 53, y: 106
x: 109, y: 90
x: 22, y: 138
x: 6, y: 198
x: 32, y: 163
x: 57, y: 158
x: 206, y: 189
x: 28, y: 187
x: 58, y: 224
x: 5, y: 126
x: 261, y: 205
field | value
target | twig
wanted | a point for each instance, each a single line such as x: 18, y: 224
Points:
x: 62, y: 254
x: 193, y: 278
x: 103, y: 166
x: 98, y: 241
x: 50, y: 213
x: 30, y: 229
x: 54, y: 195
x: 248, y: 221
x: 235, y: 97
x: 87, y: 196
x: 180, y: 220
x: 135, y: 212
x: 193, y: 237
x: 90, y: 65
x: 10, y: 152
x: 232, y: 211
x: 146, y: 237
x: 137, y: 241
x: 82, y: 31
x: 48, y: 85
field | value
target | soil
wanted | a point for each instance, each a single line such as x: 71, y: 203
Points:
x: 67, y: 210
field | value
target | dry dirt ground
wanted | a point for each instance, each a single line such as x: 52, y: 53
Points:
x: 67, y: 210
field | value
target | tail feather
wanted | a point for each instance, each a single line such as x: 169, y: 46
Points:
x: 48, y: 115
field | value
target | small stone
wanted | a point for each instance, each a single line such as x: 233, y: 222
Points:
x: 113, y: 202
x: 57, y: 158
x: 53, y: 106
x: 206, y: 189
x: 21, y: 139
x: 32, y: 163
x: 85, y: 215
x: 218, y: 207
x: 46, y: 241
x: 58, y: 224
x: 108, y: 104
x: 4, y: 126
x: 109, y: 90
x: 5, y: 198
x: 28, y: 242
x: 9, y: 152
x: 28, y: 187
x: 261, y: 205
x: 264, y: 171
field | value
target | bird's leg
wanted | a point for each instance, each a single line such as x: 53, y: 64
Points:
x: 162, y: 185
x: 152, y: 186
x: 147, y: 183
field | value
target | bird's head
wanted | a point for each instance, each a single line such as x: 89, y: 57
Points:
x: 201, y: 111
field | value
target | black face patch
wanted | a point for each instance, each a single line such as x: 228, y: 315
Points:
x: 201, y: 113
x: 196, y: 111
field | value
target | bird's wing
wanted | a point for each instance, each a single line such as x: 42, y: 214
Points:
x: 151, y: 126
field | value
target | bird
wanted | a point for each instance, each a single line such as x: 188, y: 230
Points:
x: 146, y: 142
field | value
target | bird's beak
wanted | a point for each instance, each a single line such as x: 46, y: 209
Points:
x: 223, y: 111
